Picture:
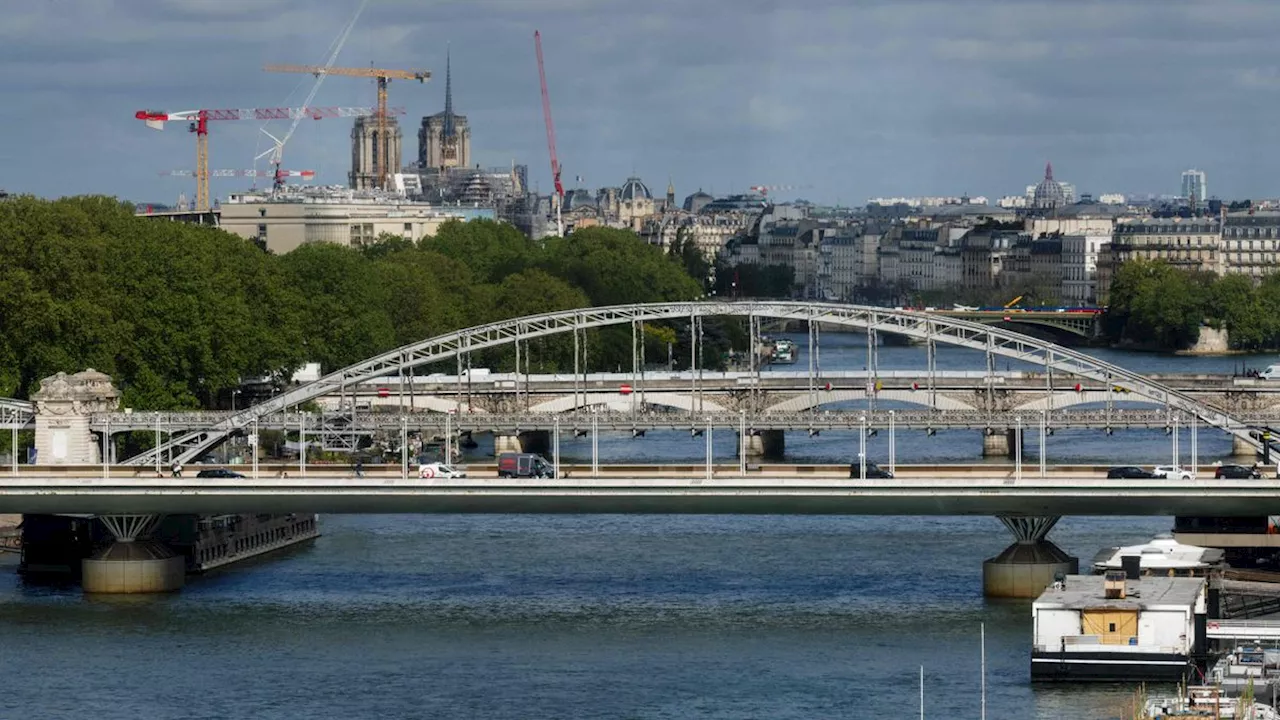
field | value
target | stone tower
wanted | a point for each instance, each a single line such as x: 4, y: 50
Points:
x: 444, y: 140
x: 365, y: 148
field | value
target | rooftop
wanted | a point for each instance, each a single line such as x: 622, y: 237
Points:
x: 1162, y: 553
x: 1081, y: 592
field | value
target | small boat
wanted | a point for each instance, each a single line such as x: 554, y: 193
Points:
x: 784, y: 352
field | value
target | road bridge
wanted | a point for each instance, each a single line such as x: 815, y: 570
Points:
x: 1028, y: 505
x: 457, y: 347
x: 739, y: 494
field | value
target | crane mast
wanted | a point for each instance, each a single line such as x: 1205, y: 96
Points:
x: 551, y: 133
x: 198, y: 123
x: 382, y: 76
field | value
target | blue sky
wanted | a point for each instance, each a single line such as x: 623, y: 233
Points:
x: 855, y: 98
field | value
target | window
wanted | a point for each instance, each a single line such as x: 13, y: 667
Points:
x: 1111, y: 627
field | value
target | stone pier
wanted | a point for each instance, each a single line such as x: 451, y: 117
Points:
x: 770, y: 444
x: 1242, y: 449
x: 1000, y: 443
x: 531, y: 441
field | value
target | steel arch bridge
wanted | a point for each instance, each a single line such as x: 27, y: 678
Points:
x: 920, y: 325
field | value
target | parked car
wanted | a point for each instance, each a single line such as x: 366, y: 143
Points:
x: 440, y: 470
x: 874, y: 472
x: 218, y: 473
x: 1130, y: 472
x: 1173, y: 472
x: 524, y: 465
x: 1237, y: 472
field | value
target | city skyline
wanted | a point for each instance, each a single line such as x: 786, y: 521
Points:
x: 916, y: 98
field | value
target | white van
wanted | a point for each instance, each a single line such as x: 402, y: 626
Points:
x: 1271, y: 373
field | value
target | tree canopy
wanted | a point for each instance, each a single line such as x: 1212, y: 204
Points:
x: 180, y: 314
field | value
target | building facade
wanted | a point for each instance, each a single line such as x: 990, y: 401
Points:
x: 1195, y: 186
x: 1080, y: 267
x: 281, y: 223
x: 365, y: 149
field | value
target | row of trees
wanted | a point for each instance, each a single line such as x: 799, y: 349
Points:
x: 1157, y: 305
x: 180, y: 314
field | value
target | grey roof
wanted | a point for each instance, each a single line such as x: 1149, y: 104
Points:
x: 1080, y: 592
x: 635, y: 189
x: 967, y: 210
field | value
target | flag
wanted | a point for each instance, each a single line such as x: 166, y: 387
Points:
x: 577, y: 179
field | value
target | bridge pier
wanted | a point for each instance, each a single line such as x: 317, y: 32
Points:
x: 530, y: 441
x: 1000, y: 442
x: 1242, y: 449
x: 766, y: 444
x: 132, y: 564
x: 1030, y: 564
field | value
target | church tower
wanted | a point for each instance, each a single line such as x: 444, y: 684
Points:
x: 444, y: 140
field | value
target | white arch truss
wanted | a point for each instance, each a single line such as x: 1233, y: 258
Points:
x: 910, y: 323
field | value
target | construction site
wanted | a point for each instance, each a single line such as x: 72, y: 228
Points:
x: 382, y: 194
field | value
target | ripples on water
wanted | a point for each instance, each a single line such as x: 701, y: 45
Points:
x: 588, y: 617
x: 530, y: 617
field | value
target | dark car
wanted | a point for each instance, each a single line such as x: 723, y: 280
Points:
x: 218, y: 473
x: 874, y: 472
x: 524, y: 465
x: 1236, y: 472
x: 1130, y: 472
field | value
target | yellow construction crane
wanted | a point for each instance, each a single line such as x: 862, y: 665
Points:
x: 383, y: 76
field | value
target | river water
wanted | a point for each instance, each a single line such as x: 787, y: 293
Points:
x: 585, y: 617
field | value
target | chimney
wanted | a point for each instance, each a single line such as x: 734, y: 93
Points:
x: 1113, y: 585
x: 1131, y: 565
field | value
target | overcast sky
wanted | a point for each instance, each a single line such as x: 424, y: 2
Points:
x: 853, y: 97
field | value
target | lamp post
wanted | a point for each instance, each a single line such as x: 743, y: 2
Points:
x: 253, y: 447
x: 862, y: 449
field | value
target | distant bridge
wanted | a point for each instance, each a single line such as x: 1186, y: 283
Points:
x: 1075, y: 322
x: 930, y: 328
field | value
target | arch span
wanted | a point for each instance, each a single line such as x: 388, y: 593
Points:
x: 910, y: 323
x: 827, y: 397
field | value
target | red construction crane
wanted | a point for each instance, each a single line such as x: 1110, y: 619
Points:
x: 199, y: 124
x: 551, y: 132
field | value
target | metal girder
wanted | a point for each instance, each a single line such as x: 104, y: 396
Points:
x: 910, y: 323
x: 18, y: 414
x: 340, y: 433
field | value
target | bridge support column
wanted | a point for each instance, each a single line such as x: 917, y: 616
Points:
x: 506, y: 444
x: 1000, y: 443
x: 1029, y: 565
x: 1242, y: 449
x: 770, y: 444
x: 132, y: 564
x: 530, y: 441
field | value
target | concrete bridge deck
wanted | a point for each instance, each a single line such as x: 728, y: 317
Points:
x: 751, y: 494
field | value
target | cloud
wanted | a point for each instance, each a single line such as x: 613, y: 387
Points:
x: 855, y: 97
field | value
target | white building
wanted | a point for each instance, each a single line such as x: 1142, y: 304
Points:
x: 1109, y: 628
x: 280, y: 223
x: 1080, y: 267
x: 1195, y: 186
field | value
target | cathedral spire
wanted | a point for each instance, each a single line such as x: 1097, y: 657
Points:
x: 1048, y: 171
x: 448, y: 94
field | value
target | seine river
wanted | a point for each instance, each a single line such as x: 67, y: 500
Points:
x: 593, y: 616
